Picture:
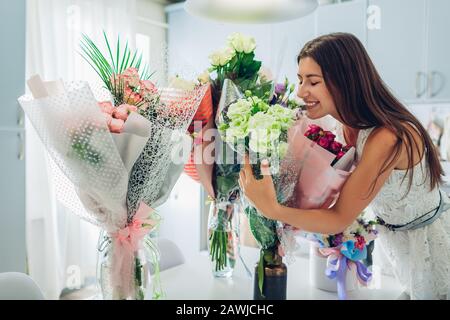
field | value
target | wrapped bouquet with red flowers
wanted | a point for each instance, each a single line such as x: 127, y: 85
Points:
x: 326, y: 139
x: 315, y: 167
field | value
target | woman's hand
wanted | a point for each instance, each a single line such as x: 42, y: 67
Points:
x: 260, y: 193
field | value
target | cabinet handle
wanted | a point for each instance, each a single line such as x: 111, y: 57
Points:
x: 420, y: 93
x: 431, y: 77
x: 20, y: 118
x: 21, y: 153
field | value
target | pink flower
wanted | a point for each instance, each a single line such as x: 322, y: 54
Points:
x: 121, y: 112
x: 106, y: 106
x: 149, y: 86
x: 128, y: 91
x: 335, y: 147
x: 116, y: 125
x: 323, y: 142
x: 130, y: 72
x: 108, y: 118
x: 131, y: 108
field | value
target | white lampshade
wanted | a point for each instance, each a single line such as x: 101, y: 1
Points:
x: 250, y: 11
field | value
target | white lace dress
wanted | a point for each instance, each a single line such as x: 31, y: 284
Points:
x: 420, y: 258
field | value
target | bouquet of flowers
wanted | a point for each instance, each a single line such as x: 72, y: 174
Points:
x: 119, y: 155
x: 201, y: 121
x: 345, y: 252
x: 253, y: 125
x: 216, y: 165
x: 315, y: 167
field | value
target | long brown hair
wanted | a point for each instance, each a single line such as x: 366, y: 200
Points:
x: 363, y: 100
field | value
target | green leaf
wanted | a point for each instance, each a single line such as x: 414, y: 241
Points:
x: 261, y: 272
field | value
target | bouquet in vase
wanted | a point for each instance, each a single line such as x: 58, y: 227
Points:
x: 216, y: 165
x: 252, y: 125
x: 121, y: 151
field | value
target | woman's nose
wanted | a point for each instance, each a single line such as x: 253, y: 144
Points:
x: 302, y: 93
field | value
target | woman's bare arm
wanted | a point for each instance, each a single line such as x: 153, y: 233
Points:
x: 354, y: 197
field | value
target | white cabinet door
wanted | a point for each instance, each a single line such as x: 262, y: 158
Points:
x: 398, y: 48
x: 288, y: 38
x: 347, y: 17
x: 12, y: 201
x: 439, y: 50
x: 12, y: 61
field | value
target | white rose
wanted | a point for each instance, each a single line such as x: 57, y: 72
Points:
x: 204, y: 77
x: 182, y: 84
x: 221, y: 57
x: 242, y: 43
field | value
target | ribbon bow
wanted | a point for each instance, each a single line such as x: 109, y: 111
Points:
x: 126, y: 242
x: 341, y: 259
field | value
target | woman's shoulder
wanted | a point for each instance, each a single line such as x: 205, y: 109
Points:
x: 382, y: 135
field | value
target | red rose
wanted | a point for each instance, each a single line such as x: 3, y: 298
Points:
x: 330, y: 136
x: 340, y: 155
x: 314, y: 128
x: 324, y: 143
x: 335, y: 147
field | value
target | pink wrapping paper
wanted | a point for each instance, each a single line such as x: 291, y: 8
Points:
x: 318, y: 183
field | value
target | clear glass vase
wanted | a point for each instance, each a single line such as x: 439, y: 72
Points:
x: 223, y: 235
x: 140, y: 274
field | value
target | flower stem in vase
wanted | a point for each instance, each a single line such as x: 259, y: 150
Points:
x: 222, y: 240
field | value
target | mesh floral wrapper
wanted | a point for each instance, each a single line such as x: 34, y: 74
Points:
x: 114, y: 180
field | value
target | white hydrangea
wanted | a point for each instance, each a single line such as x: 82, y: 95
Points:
x: 282, y: 115
x: 240, y: 108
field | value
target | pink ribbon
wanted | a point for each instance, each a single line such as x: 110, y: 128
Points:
x: 126, y: 242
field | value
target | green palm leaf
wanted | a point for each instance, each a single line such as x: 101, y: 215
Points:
x: 116, y: 63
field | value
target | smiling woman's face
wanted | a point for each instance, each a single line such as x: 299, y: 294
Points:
x: 313, y: 90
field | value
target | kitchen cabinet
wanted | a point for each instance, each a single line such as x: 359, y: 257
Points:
x: 12, y: 200
x: 410, y: 49
x: 12, y: 164
x: 438, y: 50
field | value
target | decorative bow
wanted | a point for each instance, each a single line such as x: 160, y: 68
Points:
x: 341, y: 259
x: 126, y: 242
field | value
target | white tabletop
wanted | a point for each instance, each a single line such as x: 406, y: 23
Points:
x: 193, y: 280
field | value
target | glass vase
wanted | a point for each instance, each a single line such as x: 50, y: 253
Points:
x: 140, y: 272
x: 223, y: 235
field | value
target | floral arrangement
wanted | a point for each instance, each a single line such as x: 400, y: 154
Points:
x: 345, y: 251
x: 261, y: 127
x: 326, y: 139
x: 236, y: 64
x: 119, y: 156
x: 252, y: 125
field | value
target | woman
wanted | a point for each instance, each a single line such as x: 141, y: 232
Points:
x: 398, y: 171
